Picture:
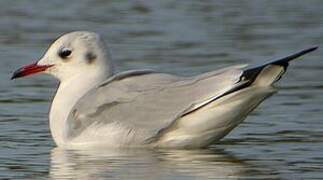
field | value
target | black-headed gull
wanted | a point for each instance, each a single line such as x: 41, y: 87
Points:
x: 95, y: 107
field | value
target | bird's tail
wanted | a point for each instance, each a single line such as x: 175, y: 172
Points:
x: 269, y: 73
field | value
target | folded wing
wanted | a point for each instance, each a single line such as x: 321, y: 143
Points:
x: 145, y: 102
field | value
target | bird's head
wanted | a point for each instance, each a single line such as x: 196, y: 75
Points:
x: 74, y: 54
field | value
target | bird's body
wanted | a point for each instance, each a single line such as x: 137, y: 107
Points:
x: 161, y: 110
x: 95, y: 107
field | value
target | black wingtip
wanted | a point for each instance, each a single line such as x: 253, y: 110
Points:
x: 305, y: 51
x: 284, y: 61
x: 251, y: 73
x: 313, y: 48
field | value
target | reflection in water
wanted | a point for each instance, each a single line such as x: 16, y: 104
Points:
x: 144, y: 164
x: 182, y: 37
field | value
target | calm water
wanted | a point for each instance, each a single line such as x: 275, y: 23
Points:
x: 282, y: 139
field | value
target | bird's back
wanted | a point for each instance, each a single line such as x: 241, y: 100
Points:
x: 141, y: 105
x: 148, y: 108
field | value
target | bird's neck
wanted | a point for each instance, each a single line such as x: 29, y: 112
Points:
x: 68, y: 93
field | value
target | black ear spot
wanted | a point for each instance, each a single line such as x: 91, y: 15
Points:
x: 90, y: 57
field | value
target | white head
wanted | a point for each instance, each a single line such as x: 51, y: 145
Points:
x: 80, y: 61
x: 74, y: 54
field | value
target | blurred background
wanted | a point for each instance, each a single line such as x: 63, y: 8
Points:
x: 282, y: 139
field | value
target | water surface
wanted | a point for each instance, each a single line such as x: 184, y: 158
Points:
x: 282, y: 139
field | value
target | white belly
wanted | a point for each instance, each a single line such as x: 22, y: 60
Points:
x: 212, y: 122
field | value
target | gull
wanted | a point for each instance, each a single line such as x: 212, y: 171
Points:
x: 94, y: 106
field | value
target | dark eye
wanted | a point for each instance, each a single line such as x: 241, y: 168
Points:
x: 64, y: 53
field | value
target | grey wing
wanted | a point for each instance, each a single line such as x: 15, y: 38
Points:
x: 145, y: 102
